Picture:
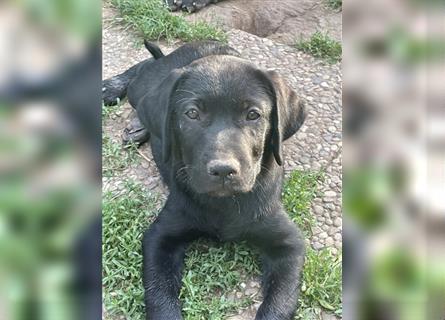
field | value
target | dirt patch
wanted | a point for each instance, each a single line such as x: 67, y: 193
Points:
x: 283, y: 21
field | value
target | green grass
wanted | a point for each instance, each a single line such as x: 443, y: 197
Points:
x: 321, y: 287
x: 110, y: 111
x: 115, y: 159
x: 321, y: 46
x: 124, y: 218
x: 298, y: 192
x: 335, y: 4
x: 212, y: 271
x: 152, y: 20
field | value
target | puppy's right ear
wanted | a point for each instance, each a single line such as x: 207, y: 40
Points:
x: 288, y: 111
x: 167, y: 109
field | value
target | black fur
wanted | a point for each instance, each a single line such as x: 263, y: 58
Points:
x: 155, y: 51
x: 217, y: 124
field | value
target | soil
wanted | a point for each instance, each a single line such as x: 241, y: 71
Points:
x: 284, y: 21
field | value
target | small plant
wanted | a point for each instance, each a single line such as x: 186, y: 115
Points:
x: 321, y: 280
x: 321, y: 46
x: 321, y: 287
x: 110, y: 111
x: 211, y: 273
x: 115, y: 159
x: 335, y: 4
x: 299, y: 190
x: 153, y: 21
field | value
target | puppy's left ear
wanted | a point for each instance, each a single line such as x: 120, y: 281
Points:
x: 288, y: 113
x: 167, y: 110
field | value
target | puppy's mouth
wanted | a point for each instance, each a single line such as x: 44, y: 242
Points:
x: 224, y: 191
x: 228, y: 189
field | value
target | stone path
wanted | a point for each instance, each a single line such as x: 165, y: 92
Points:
x: 316, y: 146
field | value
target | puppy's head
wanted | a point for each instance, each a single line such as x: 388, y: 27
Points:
x: 224, y: 118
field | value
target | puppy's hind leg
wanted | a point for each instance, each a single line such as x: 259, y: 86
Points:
x: 115, y: 88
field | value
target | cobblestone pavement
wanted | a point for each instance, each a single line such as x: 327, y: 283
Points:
x: 317, y: 146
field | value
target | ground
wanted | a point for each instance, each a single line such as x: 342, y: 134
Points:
x: 315, y: 148
x: 278, y: 20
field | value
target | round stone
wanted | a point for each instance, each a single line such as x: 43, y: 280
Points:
x: 318, y: 210
x: 337, y: 222
x: 317, y: 246
x: 330, y: 194
x: 323, y: 235
x: 329, y: 242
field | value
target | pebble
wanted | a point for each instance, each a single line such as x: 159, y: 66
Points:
x: 329, y: 242
x: 318, y: 209
x: 317, y: 246
x: 337, y: 222
x: 324, y: 85
x: 330, y: 194
x: 251, y: 292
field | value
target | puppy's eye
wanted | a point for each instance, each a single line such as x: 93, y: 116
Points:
x: 192, y: 114
x: 252, y: 115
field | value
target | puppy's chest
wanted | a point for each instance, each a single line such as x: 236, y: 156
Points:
x: 225, y: 224
x: 223, y: 231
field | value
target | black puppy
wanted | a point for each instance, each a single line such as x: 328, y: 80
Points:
x: 217, y: 124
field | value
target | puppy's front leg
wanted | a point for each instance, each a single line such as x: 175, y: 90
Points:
x: 164, y: 246
x: 282, y: 249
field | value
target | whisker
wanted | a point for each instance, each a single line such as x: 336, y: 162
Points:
x: 186, y: 91
x: 182, y: 176
x: 186, y: 99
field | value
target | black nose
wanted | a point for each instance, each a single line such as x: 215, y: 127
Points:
x: 222, y: 169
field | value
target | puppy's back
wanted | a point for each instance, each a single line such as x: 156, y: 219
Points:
x: 150, y: 75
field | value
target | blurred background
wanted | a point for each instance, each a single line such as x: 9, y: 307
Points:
x: 394, y: 159
x: 50, y: 139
